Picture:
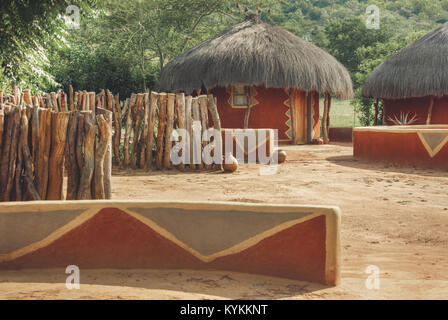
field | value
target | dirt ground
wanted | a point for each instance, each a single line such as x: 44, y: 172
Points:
x: 393, y: 218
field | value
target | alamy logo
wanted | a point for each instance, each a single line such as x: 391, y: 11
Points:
x: 208, y: 147
x: 73, y: 279
x: 72, y: 17
x: 373, y: 280
x: 373, y: 20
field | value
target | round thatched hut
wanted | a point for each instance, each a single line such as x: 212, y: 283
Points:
x: 414, y: 81
x: 263, y: 77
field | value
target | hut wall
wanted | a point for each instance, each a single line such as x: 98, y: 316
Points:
x: 420, y: 107
x: 271, y: 112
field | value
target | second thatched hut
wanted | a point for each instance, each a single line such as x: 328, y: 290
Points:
x: 414, y: 81
x: 263, y: 77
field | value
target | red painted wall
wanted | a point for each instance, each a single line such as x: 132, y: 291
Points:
x: 270, y: 113
x: 420, y: 107
x: 398, y: 148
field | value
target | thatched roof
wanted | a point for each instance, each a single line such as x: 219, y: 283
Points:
x: 256, y: 53
x: 420, y: 69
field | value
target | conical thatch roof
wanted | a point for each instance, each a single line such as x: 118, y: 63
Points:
x: 256, y: 53
x: 420, y: 69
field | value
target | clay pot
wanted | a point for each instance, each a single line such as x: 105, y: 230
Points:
x: 230, y: 163
x: 281, y: 156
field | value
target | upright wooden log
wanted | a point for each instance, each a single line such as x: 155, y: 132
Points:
x: 75, y: 101
x: 137, y: 130
x: 54, y: 101
x: 109, y: 100
x: 375, y: 120
x: 27, y: 98
x: 145, y: 130
x: 29, y: 188
x: 2, y: 122
x: 85, y: 182
x: 80, y: 141
x: 169, y: 130
x: 189, y: 127
x: 431, y: 107
x: 117, y: 124
x: 213, y: 110
x: 63, y: 102
x: 18, y: 195
x: 203, y: 105
x: 150, y: 138
x: 1, y: 97
x: 128, y: 130
x: 108, y: 157
x: 329, y: 112
x: 9, y: 153
x: 119, y: 117
x: 196, y: 137
x: 43, y: 152
x: 59, y: 123
x: 163, y: 101
x: 325, y: 118
x: 92, y: 102
x: 108, y: 160
x: 181, y: 124
x: 71, y: 159
x: 100, y: 153
x: 125, y: 108
x: 85, y: 101
x: 71, y: 100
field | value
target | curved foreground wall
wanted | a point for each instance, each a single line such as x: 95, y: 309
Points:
x: 425, y: 146
x: 293, y: 242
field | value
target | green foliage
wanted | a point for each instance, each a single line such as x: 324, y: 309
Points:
x: 123, y: 45
x: 27, y: 28
x: 370, y: 58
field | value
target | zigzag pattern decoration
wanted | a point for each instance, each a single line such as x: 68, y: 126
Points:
x: 293, y: 242
x: 287, y: 103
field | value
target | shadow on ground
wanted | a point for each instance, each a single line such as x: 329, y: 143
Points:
x: 219, y: 284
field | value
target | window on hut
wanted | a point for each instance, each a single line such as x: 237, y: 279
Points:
x: 239, y: 96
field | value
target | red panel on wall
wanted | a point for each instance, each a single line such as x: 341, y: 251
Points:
x: 270, y: 113
x: 419, y: 107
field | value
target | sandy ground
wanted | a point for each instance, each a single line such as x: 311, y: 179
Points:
x: 393, y: 218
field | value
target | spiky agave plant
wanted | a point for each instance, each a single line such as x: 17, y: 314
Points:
x: 405, y: 119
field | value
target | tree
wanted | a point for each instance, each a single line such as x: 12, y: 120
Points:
x: 372, y: 57
x: 346, y: 36
x: 26, y: 29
